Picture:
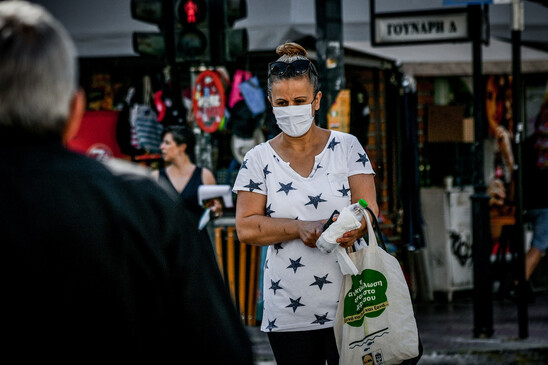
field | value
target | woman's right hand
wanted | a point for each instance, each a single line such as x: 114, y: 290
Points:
x: 310, y: 231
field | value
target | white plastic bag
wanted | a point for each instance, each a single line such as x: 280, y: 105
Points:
x: 375, y: 323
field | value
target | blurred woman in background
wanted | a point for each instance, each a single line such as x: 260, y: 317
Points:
x: 182, y: 174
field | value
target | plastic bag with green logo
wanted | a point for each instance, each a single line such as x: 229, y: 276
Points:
x: 375, y: 322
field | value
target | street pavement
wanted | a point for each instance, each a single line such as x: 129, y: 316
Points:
x: 446, y: 331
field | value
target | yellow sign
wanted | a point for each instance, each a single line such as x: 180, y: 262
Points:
x: 338, y: 118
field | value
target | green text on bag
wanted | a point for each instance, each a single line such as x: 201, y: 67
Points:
x: 367, y: 297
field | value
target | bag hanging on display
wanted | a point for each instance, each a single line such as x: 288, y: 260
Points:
x: 125, y: 132
x: 253, y: 95
x: 144, y: 120
x: 147, y: 128
x: 375, y: 322
x: 235, y: 94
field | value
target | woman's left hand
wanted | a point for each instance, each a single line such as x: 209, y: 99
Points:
x: 349, y: 238
x: 217, y: 208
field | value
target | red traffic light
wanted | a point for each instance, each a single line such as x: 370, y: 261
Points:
x: 192, y: 11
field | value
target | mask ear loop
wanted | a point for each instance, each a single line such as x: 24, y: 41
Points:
x: 314, y: 112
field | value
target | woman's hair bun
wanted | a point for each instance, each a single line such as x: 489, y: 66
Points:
x: 291, y: 49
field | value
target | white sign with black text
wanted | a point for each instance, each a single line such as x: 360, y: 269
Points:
x: 423, y: 28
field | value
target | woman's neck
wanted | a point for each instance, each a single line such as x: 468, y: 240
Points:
x: 315, y: 137
x: 181, y: 165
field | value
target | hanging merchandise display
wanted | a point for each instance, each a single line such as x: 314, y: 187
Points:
x: 138, y: 130
x: 208, y: 101
x: 253, y: 95
x: 144, y: 120
x: 126, y: 136
x: 235, y: 94
x: 148, y: 130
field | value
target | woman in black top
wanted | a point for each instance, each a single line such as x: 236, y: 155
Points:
x: 182, y: 174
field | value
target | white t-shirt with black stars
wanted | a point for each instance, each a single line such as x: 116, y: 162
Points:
x: 301, y: 284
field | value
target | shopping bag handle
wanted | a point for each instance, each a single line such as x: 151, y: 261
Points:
x: 377, y: 228
x: 347, y: 266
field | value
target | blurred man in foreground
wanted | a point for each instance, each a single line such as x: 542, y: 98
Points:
x: 96, y: 266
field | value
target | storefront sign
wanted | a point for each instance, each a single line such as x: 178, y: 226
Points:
x: 208, y: 99
x: 475, y: 2
x: 421, y: 27
x: 96, y: 137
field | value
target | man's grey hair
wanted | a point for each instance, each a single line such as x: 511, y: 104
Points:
x: 38, y: 69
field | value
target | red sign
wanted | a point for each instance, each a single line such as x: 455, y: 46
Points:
x: 96, y: 137
x: 208, y: 101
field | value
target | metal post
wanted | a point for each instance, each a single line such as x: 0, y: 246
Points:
x: 168, y: 25
x: 329, y: 47
x: 171, y: 55
x: 481, y: 230
x: 517, y: 27
x: 217, y: 42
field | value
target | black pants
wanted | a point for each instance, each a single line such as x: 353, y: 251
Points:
x: 304, y: 347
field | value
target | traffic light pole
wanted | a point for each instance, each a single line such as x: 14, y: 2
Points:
x: 329, y: 48
x: 517, y: 115
x: 481, y: 229
x: 216, y: 32
x: 169, y: 21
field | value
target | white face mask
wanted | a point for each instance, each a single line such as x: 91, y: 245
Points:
x: 294, y: 120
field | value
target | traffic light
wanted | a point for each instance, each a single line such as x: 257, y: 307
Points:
x: 184, y: 26
x: 148, y: 43
x: 225, y: 43
x: 236, y: 39
x: 195, y: 31
x: 192, y: 31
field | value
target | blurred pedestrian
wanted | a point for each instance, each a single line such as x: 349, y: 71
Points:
x: 498, y: 109
x: 97, y: 266
x: 182, y: 174
x: 287, y: 189
x: 535, y: 189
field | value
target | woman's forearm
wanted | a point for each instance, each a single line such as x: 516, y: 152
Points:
x: 262, y: 231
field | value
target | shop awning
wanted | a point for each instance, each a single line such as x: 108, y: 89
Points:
x: 103, y: 28
x: 454, y: 58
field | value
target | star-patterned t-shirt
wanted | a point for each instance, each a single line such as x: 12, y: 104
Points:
x: 301, y: 284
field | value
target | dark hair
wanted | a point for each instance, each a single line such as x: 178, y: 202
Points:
x: 290, y: 52
x: 182, y: 134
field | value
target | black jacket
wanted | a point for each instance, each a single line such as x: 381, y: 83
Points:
x: 99, y: 266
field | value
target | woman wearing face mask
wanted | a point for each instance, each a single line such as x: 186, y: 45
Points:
x: 287, y: 189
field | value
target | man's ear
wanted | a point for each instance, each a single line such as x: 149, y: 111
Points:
x: 76, y: 113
